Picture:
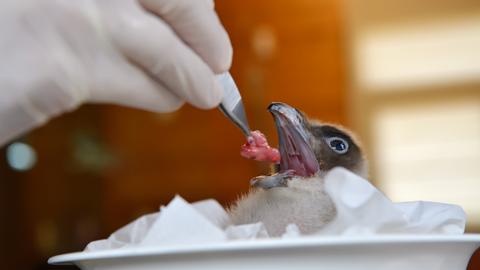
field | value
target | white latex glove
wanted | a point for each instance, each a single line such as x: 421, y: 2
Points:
x: 149, y: 54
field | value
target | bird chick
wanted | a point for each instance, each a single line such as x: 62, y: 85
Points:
x: 295, y: 192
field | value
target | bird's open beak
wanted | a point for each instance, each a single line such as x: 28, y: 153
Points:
x: 293, y: 139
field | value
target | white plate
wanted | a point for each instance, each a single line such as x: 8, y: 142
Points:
x: 399, y: 252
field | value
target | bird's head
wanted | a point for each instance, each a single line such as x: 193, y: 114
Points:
x: 310, y: 147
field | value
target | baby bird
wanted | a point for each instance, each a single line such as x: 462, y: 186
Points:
x: 295, y: 192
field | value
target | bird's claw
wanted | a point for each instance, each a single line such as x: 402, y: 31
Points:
x: 270, y: 181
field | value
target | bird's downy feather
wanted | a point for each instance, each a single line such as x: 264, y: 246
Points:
x: 303, y: 202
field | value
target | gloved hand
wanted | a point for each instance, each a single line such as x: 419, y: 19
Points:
x: 149, y: 54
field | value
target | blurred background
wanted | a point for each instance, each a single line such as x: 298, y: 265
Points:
x: 403, y: 74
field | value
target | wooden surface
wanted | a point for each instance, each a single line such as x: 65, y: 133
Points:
x: 474, y: 263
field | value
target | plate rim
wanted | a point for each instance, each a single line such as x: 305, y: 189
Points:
x: 259, y: 244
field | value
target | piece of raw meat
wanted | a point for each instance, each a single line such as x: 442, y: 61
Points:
x: 257, y: 148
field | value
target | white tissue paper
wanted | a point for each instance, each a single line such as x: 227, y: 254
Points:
x: 361, y: 209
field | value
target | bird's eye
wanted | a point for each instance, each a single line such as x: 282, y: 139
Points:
x: 338, y: 144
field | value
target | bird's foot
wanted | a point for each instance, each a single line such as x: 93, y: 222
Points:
x: 270, y: 181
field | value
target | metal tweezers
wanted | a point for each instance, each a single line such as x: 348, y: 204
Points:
x: 232, y: 105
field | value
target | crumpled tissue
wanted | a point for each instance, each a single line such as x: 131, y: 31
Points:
x: 361, y: 209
